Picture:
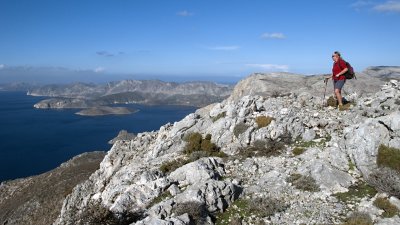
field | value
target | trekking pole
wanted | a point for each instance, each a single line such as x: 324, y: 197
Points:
x: 326, y: 84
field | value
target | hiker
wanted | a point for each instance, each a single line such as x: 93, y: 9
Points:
x: 338, y: 71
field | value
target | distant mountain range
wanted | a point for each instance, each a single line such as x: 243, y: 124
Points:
x: 85, y: 95
x: 82, y: 95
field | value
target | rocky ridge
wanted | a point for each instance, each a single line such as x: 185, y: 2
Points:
x: 339, y: 151
x: 38, y: 199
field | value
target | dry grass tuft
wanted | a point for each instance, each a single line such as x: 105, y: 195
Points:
x: 263, y: 121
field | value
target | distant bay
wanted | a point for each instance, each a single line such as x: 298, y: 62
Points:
x: 33, y: 141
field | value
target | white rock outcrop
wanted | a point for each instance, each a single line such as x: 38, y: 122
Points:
x: 129, y: 178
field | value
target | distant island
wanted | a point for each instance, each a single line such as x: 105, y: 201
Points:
x: 105, y: 110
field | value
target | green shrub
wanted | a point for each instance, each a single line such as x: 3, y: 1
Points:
x: 208, y: 146
x: 197, y: 211
x: 219, y: 116
x: 388, y: 157
x: 385, y: 180
x: 305, y: 183
x: 358, y: 218
x: 357, y: 191
x: 298, y: 151
x: 263, y: 121
x: 198, y: 147
x: 170, y: 166
x: 384, y: 204
x: 240, y: 128
x: 193, y: 143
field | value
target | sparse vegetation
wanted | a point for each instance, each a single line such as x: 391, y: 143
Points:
x: 236, y: 212
x: 388, y: 157
x: 305, y: 183
x: 196, y: 147
x: 262, y: 148
x: 240, y: 128
x: 96, y: 213
x: 308, y: 144
x: 267, y: 206
x: 195, y: 142
x: 384, y: 204
x: 263, y: 121
x: 358, y: 218
x: 163, y: 196
x: 298, y: 151
x: 169, y: 166
x: 197, y: 211
x: 219, y: 116
x: 250, y: 208
x: 356, y: 192
x: 276, y: 94
x: 352, y: 166
x: 332, y: 102
x: 385, y: 180
x: 346, y: 106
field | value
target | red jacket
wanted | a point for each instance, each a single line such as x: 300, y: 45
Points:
x: 337, y: 68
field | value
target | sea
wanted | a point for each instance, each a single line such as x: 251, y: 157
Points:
x: 33, y: 141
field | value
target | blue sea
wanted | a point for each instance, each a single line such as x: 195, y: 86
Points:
x: 33, y: 141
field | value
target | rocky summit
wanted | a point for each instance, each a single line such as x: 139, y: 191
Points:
x: 252, y: 159
x: 255, y: 158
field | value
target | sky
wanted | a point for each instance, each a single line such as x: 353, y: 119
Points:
x: 197, y: 38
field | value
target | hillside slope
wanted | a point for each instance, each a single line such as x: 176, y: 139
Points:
x: 285, y: 160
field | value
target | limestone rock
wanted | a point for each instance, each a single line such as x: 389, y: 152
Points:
x: 336, y: 148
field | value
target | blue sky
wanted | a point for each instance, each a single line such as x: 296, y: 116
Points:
x: 195, y: 38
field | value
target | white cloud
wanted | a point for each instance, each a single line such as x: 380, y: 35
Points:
x: 361, y: 3
x: 273, y: 36
x: 389, y: 6
x: 270, y: 66
x: 225, y: 48
x: 185, y: 13
x: 99, y: 69
x: 2, y: 66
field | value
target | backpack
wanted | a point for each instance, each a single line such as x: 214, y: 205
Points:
x: 350, y: 72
